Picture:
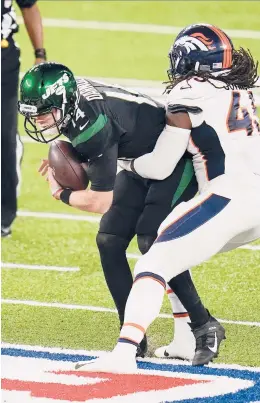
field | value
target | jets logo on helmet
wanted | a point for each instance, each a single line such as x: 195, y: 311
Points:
x: 57, y: 87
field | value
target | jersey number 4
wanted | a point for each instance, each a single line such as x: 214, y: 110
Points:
x: 240, y: 118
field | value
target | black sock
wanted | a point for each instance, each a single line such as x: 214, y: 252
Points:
x: 185, y: 290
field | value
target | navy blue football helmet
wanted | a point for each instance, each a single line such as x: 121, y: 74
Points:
x: 200, y: 47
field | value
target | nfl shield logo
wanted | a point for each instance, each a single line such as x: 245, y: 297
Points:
x: 41, y: 375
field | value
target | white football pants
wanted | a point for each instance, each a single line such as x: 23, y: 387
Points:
x: 198, y: 229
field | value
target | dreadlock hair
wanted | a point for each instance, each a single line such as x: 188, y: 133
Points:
x: 242, y: 74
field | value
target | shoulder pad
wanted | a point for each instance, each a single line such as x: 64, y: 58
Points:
x: 189, y: 97
x: 194, y: 90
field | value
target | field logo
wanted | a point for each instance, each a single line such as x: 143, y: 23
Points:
x: 41, y: 375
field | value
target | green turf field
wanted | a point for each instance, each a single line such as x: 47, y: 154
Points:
x: 130, y: 55
x: 228, y: 283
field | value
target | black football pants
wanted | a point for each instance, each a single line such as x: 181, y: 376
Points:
x: 9, y: 94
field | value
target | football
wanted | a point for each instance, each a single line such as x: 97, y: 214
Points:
x: 68, y: 169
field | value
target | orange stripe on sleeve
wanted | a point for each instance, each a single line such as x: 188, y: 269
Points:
x: 135, y: 325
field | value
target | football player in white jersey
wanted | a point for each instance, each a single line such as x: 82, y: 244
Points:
x: 210, y: 92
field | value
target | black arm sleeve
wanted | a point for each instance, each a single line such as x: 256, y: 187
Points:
x: 102, y: 170
x: 26, y: 3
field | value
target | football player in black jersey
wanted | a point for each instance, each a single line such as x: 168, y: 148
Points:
x: 106, y: 123
x: 101, y: 121
x: 12, y: 149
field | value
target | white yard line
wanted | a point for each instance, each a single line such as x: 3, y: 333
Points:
x: 79, y: 217
x: 250, y: 247
x: 133, y: 255
x: 74, y: 217
x: 37, y: 267
x: 133, y: 27
x: 102, y: 309
x: 58, y: 305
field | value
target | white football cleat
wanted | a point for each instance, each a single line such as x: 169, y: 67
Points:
x: 183, y: 350
x: 110, y: 362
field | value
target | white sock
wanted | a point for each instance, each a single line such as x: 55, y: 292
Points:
x: 180, y: 315
x: 142, y: 308
x: 125, y: 348
x: 178, y: 309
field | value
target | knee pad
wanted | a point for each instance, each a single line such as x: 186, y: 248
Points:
x: 145, y: 242
x: 110, y: 242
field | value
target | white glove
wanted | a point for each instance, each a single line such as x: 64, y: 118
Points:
x: 123, y: 164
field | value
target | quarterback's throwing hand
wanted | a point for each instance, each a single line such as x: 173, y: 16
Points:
x: 43, y: 167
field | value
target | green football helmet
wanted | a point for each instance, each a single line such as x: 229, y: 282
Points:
x: 48, y: 98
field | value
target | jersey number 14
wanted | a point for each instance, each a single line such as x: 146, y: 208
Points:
x: 241, y: 118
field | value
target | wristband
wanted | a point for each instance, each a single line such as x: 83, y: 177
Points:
x: 65, y: 196
x: 40, y: 53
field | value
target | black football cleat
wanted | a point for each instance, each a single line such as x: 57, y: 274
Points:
x: 142, y: 348
x: 208, y: 338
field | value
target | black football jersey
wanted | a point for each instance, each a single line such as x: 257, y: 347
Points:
x: 112, y: 122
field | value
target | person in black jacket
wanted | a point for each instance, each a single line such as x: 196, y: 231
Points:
x: 12, y: 149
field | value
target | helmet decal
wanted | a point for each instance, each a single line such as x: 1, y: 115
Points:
x: 27, y: 108
x: 227, y: 58
x: 200, y: 48
x: 190, y: 43
x: 203, y: 39
x: 57, y: 87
